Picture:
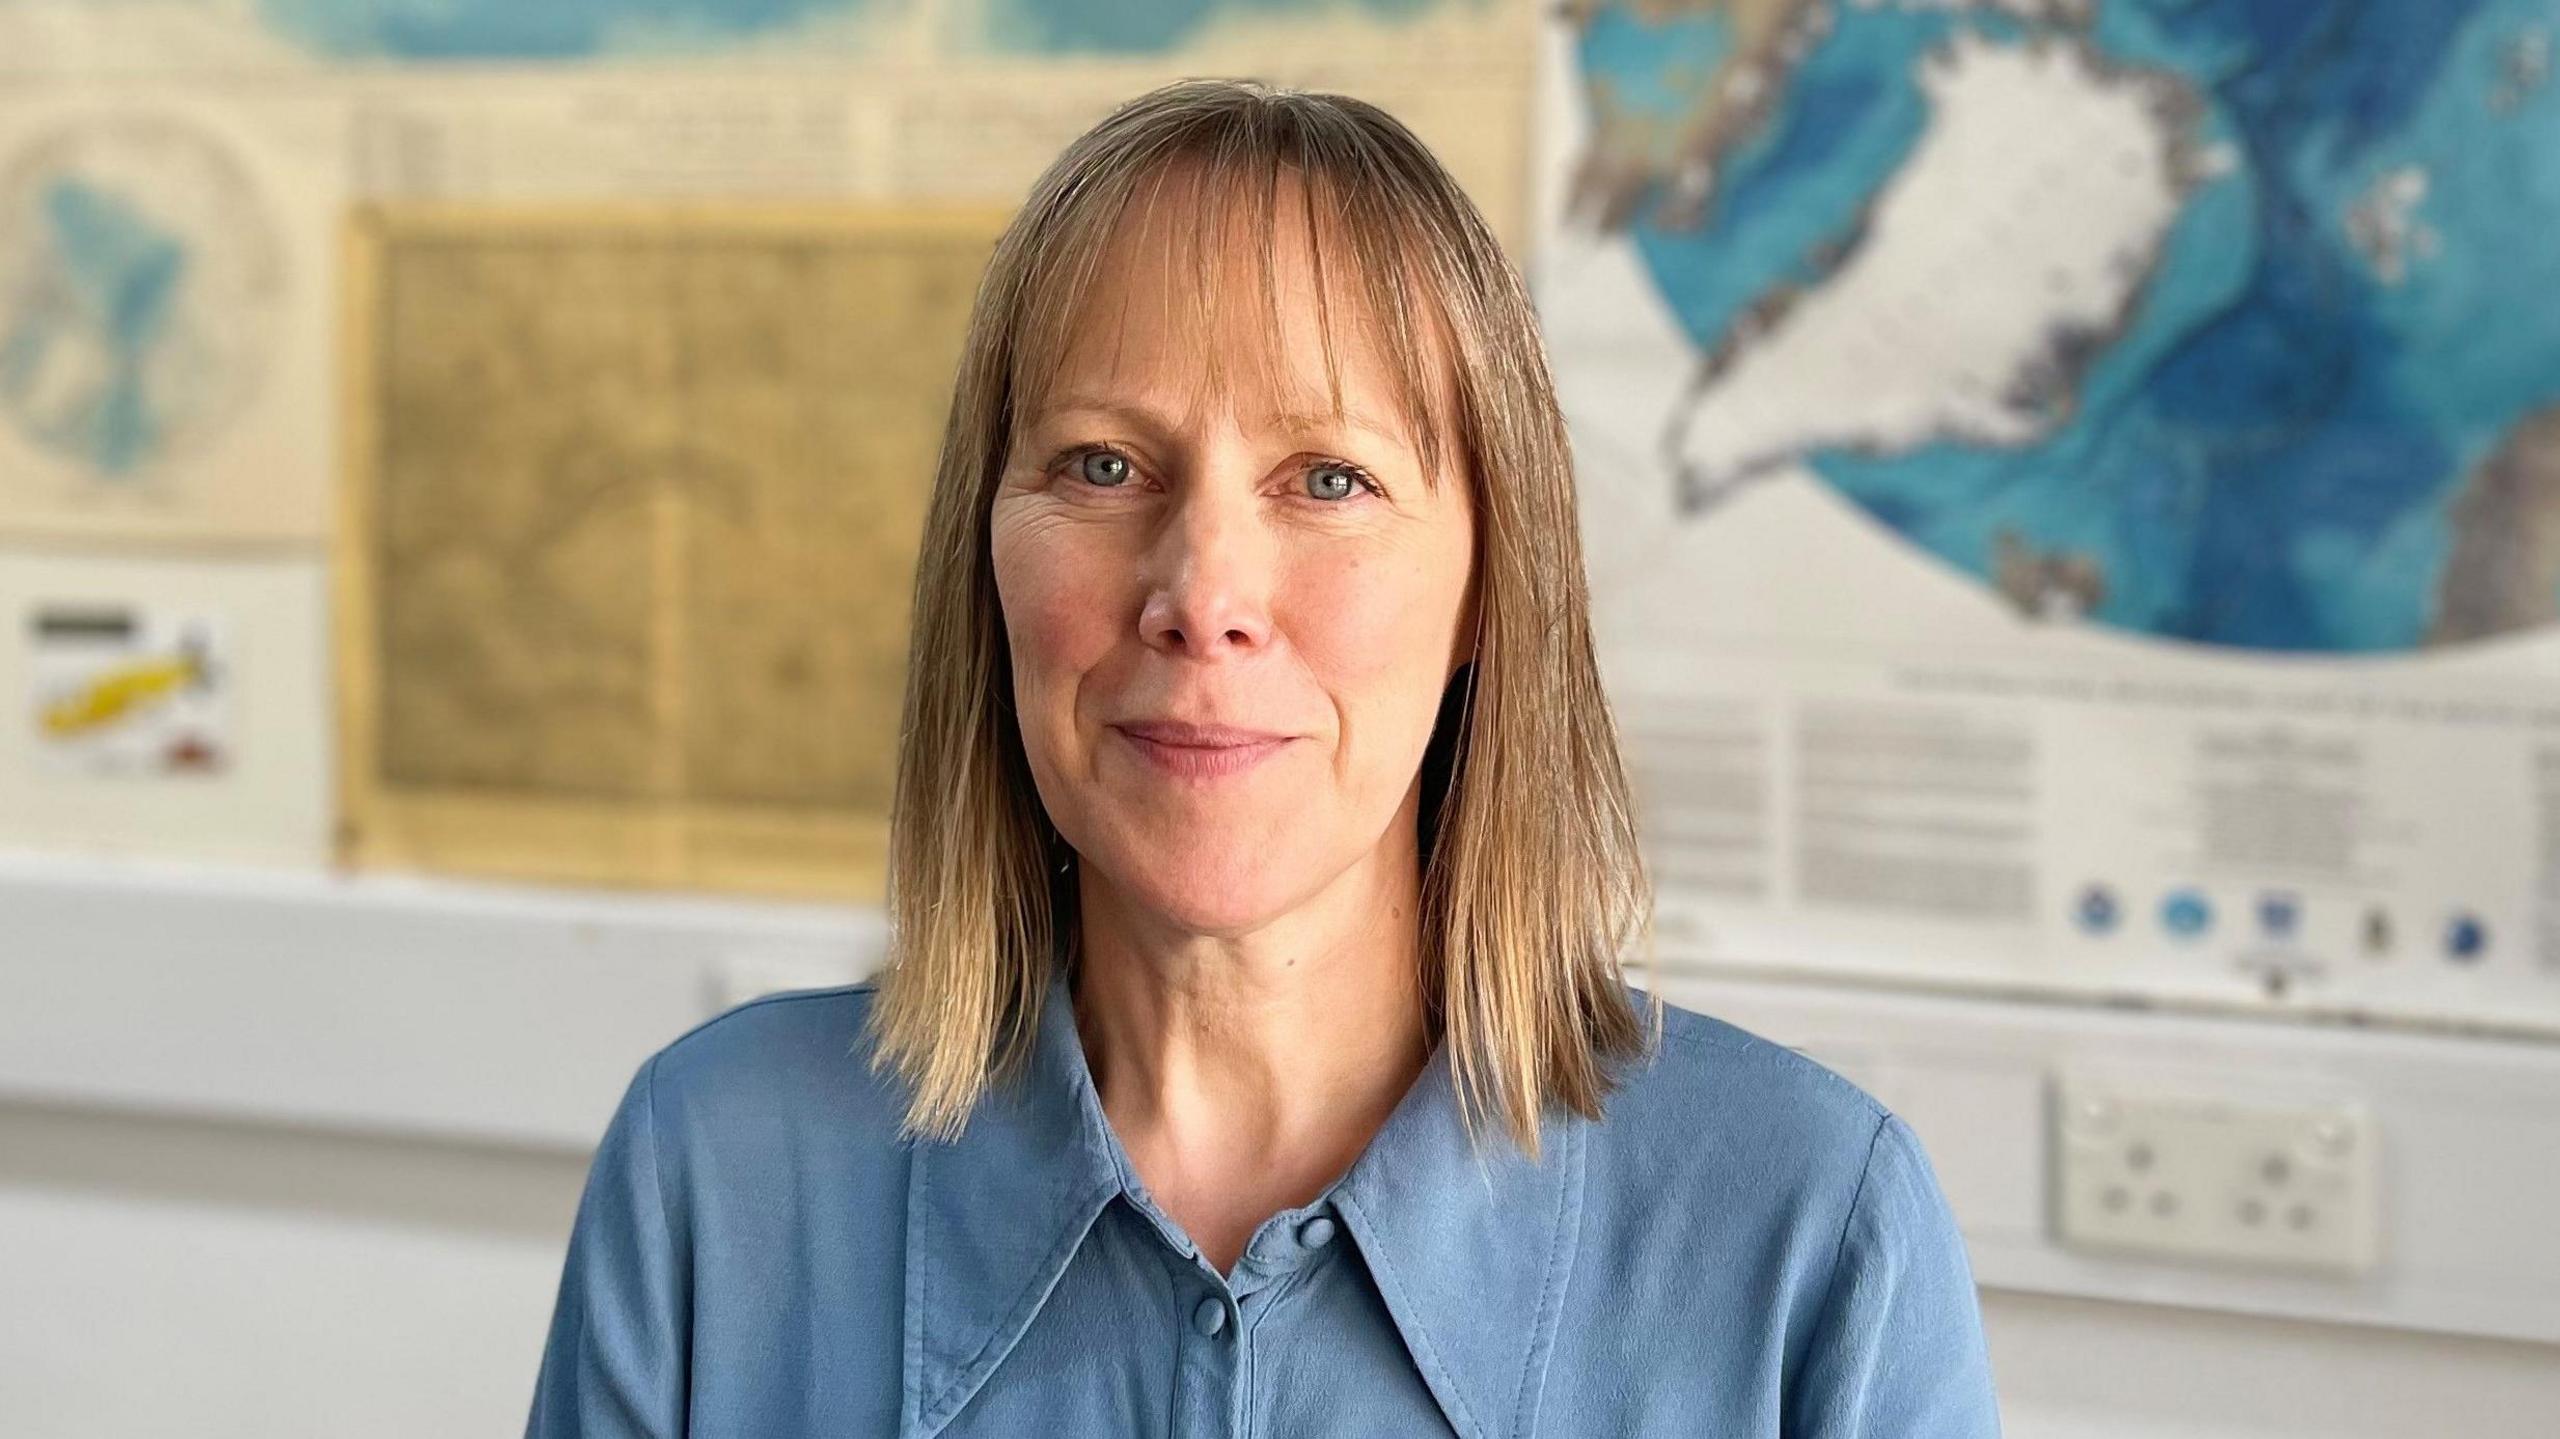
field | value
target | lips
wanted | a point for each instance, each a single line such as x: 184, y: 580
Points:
x: 1199, y: 751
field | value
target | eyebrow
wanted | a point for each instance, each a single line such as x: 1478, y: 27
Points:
x: 1298, y: 421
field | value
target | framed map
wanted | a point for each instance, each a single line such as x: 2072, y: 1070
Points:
x: 629, y: 519
x: 2073, y: 488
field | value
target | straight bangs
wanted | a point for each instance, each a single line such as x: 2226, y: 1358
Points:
x: 1224, y: 204
x: 1532, y: 886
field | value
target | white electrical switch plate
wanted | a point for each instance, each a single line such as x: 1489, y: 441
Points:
x: 2178, y: 1171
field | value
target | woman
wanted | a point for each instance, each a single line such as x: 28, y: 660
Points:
x: 1253, y: 1057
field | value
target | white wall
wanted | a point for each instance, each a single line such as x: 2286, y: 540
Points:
x: 2087, y: 1369
x: 214, y: 1280
x: 195, y: 1278
x: 231, y: 1249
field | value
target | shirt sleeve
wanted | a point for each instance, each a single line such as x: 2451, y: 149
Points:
x: 1897, y: 1348
x: 614, y: 1366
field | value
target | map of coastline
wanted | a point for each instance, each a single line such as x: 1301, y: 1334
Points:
x: 140, y: 280
x: 575, y: 31
x: 2219, y: 322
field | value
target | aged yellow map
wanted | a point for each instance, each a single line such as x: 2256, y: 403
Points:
x: 630, y: 516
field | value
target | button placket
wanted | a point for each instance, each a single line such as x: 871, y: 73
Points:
x: 1206, y: 1404
x: 1216, y: 1358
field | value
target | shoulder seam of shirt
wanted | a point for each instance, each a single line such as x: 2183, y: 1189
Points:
x: 1823, y: 1316
x: 1866, y: 1171
x: 679, y: 1253
x: 649, y: 1142
x: 788, y: 996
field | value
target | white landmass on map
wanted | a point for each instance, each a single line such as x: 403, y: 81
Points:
x: 2039, y: 162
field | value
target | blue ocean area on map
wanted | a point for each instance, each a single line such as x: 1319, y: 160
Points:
x: 1161, y: 26
x: 1633, y: 52
x: 540, y: 29
x: 116, y: 281
x: 561, y: 30
x: 2280, y: 446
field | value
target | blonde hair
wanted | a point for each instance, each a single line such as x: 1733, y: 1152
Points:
x: 1532, y: 887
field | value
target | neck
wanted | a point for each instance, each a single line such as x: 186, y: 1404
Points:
x: 1244, y: 1073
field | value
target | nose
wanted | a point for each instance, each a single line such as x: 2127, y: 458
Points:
x: 1209, y: 579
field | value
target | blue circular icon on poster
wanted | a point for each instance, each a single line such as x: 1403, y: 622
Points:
x: 2466, y: 938
x: 2186, y: 913
x: 2278, y: 912
x: 2097, y: 910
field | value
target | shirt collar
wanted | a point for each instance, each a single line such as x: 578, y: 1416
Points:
x: 1470, y: 1250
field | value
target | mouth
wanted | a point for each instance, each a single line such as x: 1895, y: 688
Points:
x: 1198, y: 751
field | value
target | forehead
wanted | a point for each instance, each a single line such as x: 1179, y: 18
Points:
x: 1256, y: 293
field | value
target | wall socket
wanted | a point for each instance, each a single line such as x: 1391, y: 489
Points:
x: 2175, y: 1172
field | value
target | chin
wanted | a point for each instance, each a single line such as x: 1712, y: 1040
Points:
x: 1210, y: 887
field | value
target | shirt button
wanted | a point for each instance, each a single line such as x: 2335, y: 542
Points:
x: 1316, y: 1233
x: 1210, y: 1316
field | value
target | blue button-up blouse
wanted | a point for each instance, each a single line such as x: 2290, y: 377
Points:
x: 1746, y: 1244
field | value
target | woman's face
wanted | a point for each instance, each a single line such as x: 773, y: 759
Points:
x: 1232, y: 615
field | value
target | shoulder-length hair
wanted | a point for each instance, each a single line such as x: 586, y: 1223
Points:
x: 1532, y: 888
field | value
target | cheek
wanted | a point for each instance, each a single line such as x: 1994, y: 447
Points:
x: 1058, y: 606
x: 1376, y: 630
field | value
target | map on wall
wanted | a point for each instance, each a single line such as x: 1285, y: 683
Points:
x: 1158, y: 27
x: 573, y: 32
x: 448, y: 31
x: 557, y: 30
x: 631, y: 528
x: 2073, y: 486
x: 2217, y: 322
x: 140, y: 278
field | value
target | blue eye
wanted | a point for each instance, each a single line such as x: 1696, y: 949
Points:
x: 1332, y: 482
x: 1101, y: 467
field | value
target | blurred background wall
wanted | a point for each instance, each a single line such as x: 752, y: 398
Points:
x: 2072, y: 504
